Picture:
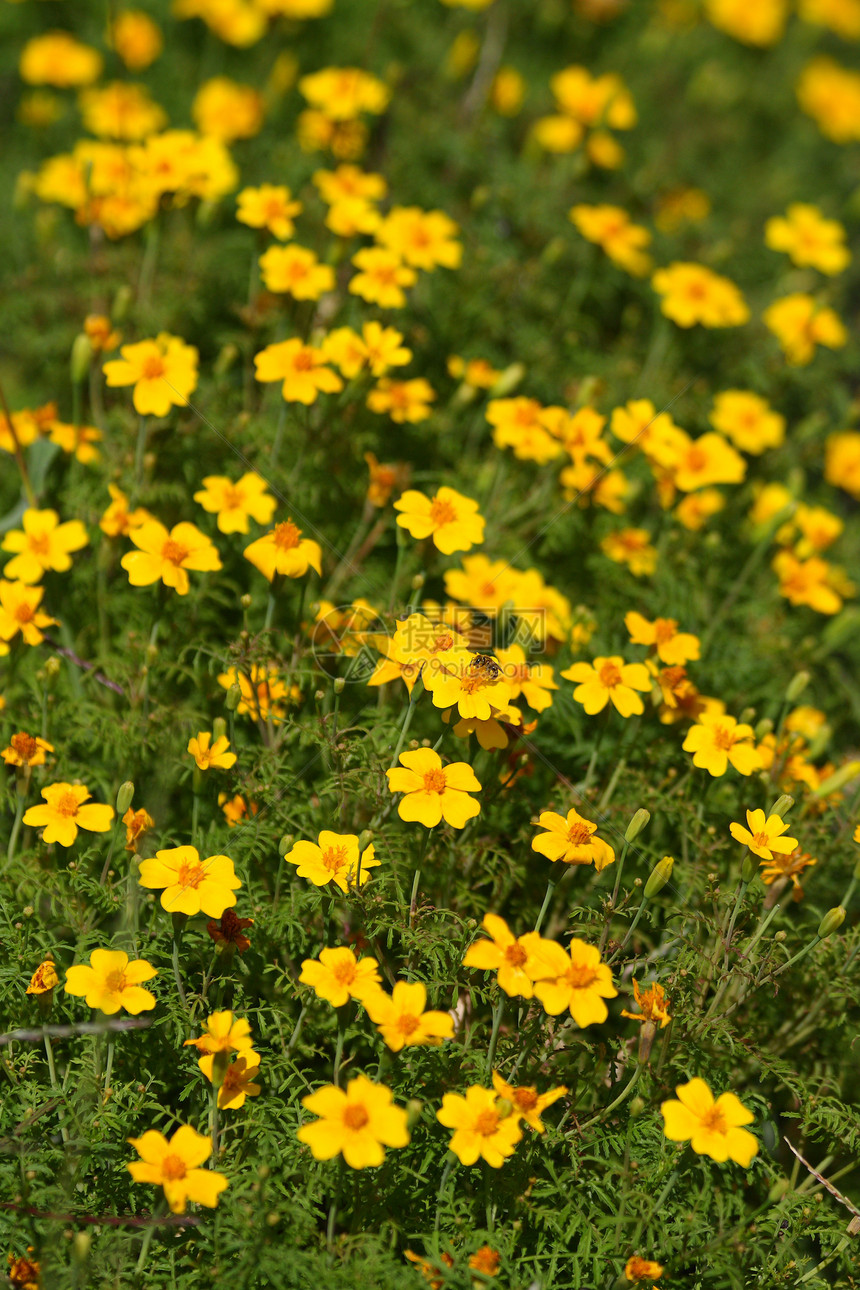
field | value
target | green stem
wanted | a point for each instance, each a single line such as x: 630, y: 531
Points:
x: 139, y: 452
x: 550, y: 888
x: 178, y: 926
x: 494, y: 1037
x: 16, y: 827
x: 111, y: 1043
x: 630, y: 930
x: 407, y: 718
x: 213, y: 1097
x: 622, y: 1097
x: 338, y: 1052
x: 55, y: 1087
x: 620, y: 869
x: 446, y: 1174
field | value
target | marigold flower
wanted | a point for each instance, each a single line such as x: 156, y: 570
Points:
x: 26, y: 750
x: 528, y: 1104
x: 19, y: 612
x: 44, y: 979
x: 760, y: 24
x: 66, y: 811
x: 224, y: 1033
x: 136, y: 38
x: 763, y: 835
x: 841, y: 16
x: 136, y: 824
x: 112, y: 982
x: 167, y: 556
x: 384, y: 479
x: 637, y: 1269
x: 633, y: 548
x: 402, y: 400
x: 174, y: 1165
x: 476, y: 373
x: 270, y: 207
x: 334, y: 858
x: 718, y: 739
x: 24, y: 1272
x: 58, y: 59
x: 121, y: 111
x: 208, y: 755
x: 300, y: 368
x: 672, y: 647
x: 226, y: 110
x: 681, y: 206
x: 787, y: 867
x: 163, y: 372
x: 694, y: 294
x: 713, y: 1127
x: 809, y: 238
x: 235, y: 808
x: 191, y: 885
x: 76, y: 441
x: 237, y: 1082
x: 381, y: 277
x: 572, y: 840
x: 842, y: 461
x: 520, y: 424
x: 296, y: 271
x: 235, y: 503
x: 576, y: 980
x: 261, y: 690
x: 42, y: 544
x: 338, y: 976
x: 515, y: 959
x: 830, y: 94
x: 610, y: 227
x: 809, y: 582
x: 433, y: 792
x: 694, y: 510
x: 118, y: 520
x: 401, y: 1018
x: 475, y: 683
x: 594, y: 100
x: 653, y: 1005
x: 748, y: 420
x: 356, y: 1122
x: 609, y: 679
x: 481, y: 1131
x: 433, y: 1275
x: 422, y: 239
x: 532, y: 681
x: 450, y: 518
x: 230, y: 931
x: 348, y: 182
x: 344, y: 92
x: 799, y: 325
x: 284, y: 551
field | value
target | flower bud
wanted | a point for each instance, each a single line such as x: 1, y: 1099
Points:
x: 637, y: 1106
x: 796, y: 686
x: 838, y: 779
x: 508, y: 381
x: 234, y: 697
x: 124, y: 797
x: 831, y: 922
x: 504, y: 1107
x: 747, y: 716
x: 319, y: 695
x: 782, y: 805
x: 81, y: 1246
x: 763, y: 727
x: 339, y: 683
x: 637, y: 824
x: 286, y: 844
x: 365, y: 838
x: 246, y: 601
x: 418, y: 582
x: 53, y: 666
x: 659, y: 876
x: 220, y: 1062
x: 219, y: 728
x: 646, y: 1039
x: 413, y: 1112
x: 81, y: 357
x: 121, y: 302
x: 749, y: 868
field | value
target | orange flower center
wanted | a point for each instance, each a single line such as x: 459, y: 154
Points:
x: 407, y: 1025
x: 25, y: 746
x: 233, y: 498
x: 715, y: 1121
x: 761, y: 840
x: 697, y: 290
x: 579, y: 976
x: 39, y: 543
x: 516, y: 955
x: 23, y: 612
x: 274, y: 208
x: 334, y: 858
x: 355, y: 1117
x: 697, y: 459
x: 173, y: 1168
x: 174, y: 552
x: 344, y: 973
x: 152, y: 369
x: 609, y: 675
x: 487, y: 1123
x: 115, y: 981
x: 442, y: 512
x: 723, y: 738
x: 67, y: 804
x: 385, y: 274
x: 286, y: 536
x: 434, y: 781
x: 190, y: 874
x: 665, y: 629
x: 525, y: 1099
x: 579, y: 833
x: 303, y: 361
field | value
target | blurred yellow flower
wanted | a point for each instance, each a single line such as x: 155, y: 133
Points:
x: 235, y: 503
x: 270, y: 207
x: 167, y: 556
x: 692, y: 294
x: 112, y: 982
x: 226, y: 110
x: 66, y: 810
x: 174, y: 1165
x: 809, y: 238
x: 136, y: 38
x: 297, y: 271
x: 800, y: 324
x: 357, y: 1123
x: 163, y: 372
x: 58, y: 59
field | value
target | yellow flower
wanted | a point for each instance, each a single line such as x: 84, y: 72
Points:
x: 404, y: 401
x: 433, y: 792
x: 191, y: 885
x: 694, y: 510
x: 533, y: 681
x: 344, y: 92
x: 572, y: 840
x: 763, y: 835
x: 636, y: 1269
x: 401, y: 1019
x: 841, y: 16
x: 333, y: 858
x: 476, y: 373
x: 830, y: 94
x: 297, y: 271
x: 842, y: 461
x: 284, y: 551
x: 799, y: 325
x: 718, y: 739
x: 576, y: 980
x: 270, y: 207
x: 809, y: 238
x: 713, y: 1127
x: 694, y: 294
x: 515, y: 959
x: 66, y: 811
x: 672, y: 647
x: 24, y: 1272
x: 594, y: 100
x: 77, y: 441
x: 174, y: 1165
x: 748, y: 420
x: 347, y: 182
x: 481, y: 1130
x: 58, y: 59
x: 42, y: 544
x: 507, y: 91
x: 519, y: 424
x: 224, y: 1034
x: 26, y: 750
x: 19, y: 612
x: 136, y: 38
x: 225, y: 110
x: 654, y: 1008
x: 609, y: 679
x: 117, y: 520
x: 356, y: 1123
x: 633, y: 548
x: 166, y: 556
x: 208, y: 755
x: 44, y: 979
x: 351, y: 216
x: 681, y: 206
x: 300, y: 367
x: 238, y: 1080
x: 475, y: 683
x: 121, y: 111
x: 422, y: 239
x: 785, y: 867
x: 163, y: 372
x: 234, y: 503
x: 528, y: 1104
x: 112, y: 982
x: 261, y: 689
x: 136, y: 824
x: 338, y: 976
x: 809, y: 582
x: 382, y: 277
x: 450, y: 518
x: 611, y: 229
x: 761, y: 23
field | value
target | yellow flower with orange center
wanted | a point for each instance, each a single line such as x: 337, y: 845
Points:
x: 809, y: 238
x: 19, y: 612
x: 787, y: 867
x: 800, y: 324
x: 672, y: 647
x: 301, y: 369
x: 334, y: 857
x: 718, y: 739
x: 381, y: 277
x: 572, y: 840
x: 163, y: 372
x: 191, y: 885
x: 713, y: 1127
x: 611, y: 228
x: 344, y: 92
x: 208, y: 754
x: 44, y: 979
x: 26, y: 750
x: 574, y: 980
x: 238, y: 1080
x: 174, y: 1164
x: 118, y: 520
x: 519, y: 424
x: 136, y: 38
x: 111, y: 982
x: 528, y: 1104
x: 66, y: 810
x: 235, y: 503
x: 338, y: 976
x: 653, y: 1005
x: 271, y: 207
x: 42, y: 544
x: 692, y: 293
x: 422, y: 239
x: 58, y: 59
x: 764, y: 835
x: 167, y: 556
x: 356, y: 1122
x: 830, y: 94
x: 609, y: 679
x: 748, y: 420
x: 516, y: 960
x: 633, y: 548
x: 451, y: 519
x: 402, y: 1020
x: 637, y: 1269
x: 284, y: 551
x: 433, y: 792
x: 137, y: 823
x: 261, y: 691
x: 485, y: 1128
x: 759, y: 24
x: 121, y: 111
x: 403, y: 401
x: 296, y: 271
x: 225, y: 110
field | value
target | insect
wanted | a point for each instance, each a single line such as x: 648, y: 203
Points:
x: 485, y: 667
